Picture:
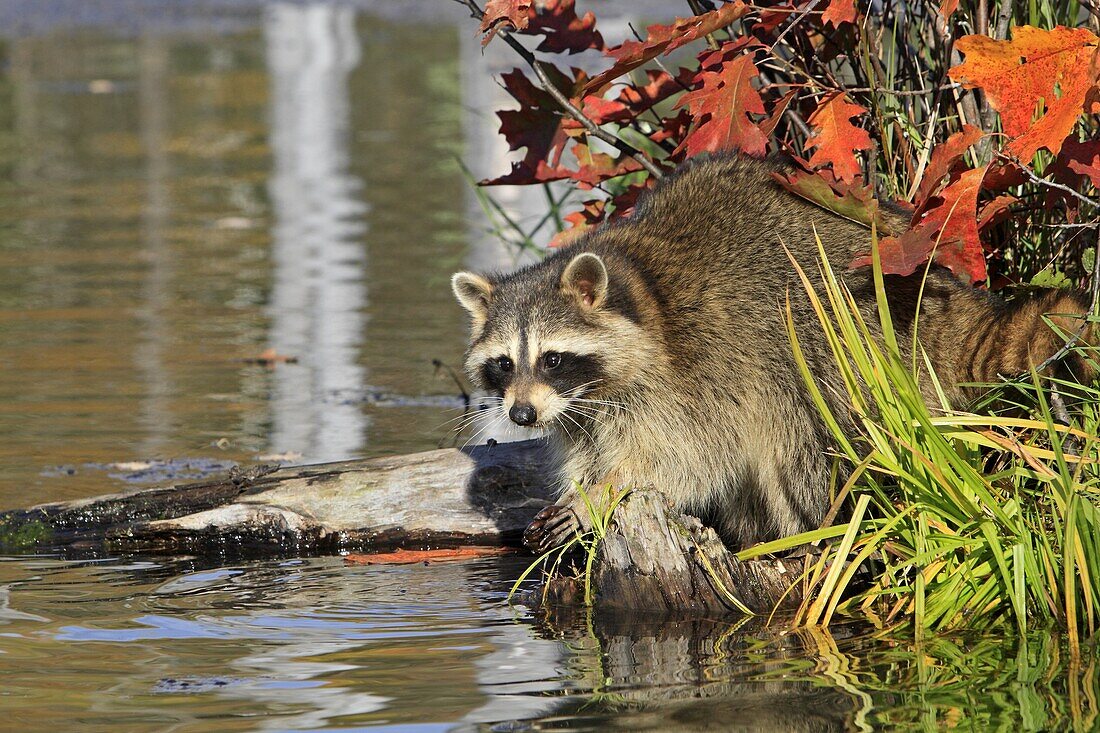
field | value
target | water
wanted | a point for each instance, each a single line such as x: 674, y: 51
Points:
x: 187, y: 185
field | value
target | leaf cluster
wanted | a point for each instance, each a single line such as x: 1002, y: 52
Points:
x: 977, y: 117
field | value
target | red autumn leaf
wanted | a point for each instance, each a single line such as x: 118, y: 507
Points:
x: 664, y: 38
x: 944, y: 158
x: 499, y: 13
x: 634, y: 100
x: 995, y: 211
x: 840, y: 11
x: 1076, y: 162
x: 536, y: 126
x: 598, y: 210
x: 590, y: 214
x: 1083, y: 159
x: 836, y: 138
x: 406, y: 557
x: 948, y: 225
x: 563, y: 31
x: 768, y: 126
x: 722, y: 107
x: 1016, y: 75
x: 595, y: 168
x: 948, y: 8
x: 773, y: 17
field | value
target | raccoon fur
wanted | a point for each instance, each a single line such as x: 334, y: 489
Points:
x: 654, y: 349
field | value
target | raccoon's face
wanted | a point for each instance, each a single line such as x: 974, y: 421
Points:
x: 545, y: 343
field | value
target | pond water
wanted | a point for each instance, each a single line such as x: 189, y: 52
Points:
x: 185, y: 186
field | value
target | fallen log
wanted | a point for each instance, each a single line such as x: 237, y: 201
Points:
x: 652, y: 559
x: 480, y: 495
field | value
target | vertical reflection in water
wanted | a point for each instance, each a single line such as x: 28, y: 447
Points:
x: 156, y: 296
x: 318, y: 294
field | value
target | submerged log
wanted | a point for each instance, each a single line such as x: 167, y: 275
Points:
x: 652, y: 558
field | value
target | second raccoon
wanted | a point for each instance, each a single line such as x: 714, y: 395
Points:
x: 654, y: 349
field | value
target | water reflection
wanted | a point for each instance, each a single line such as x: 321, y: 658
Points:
x: 319, y: 645
x: 318, y: 295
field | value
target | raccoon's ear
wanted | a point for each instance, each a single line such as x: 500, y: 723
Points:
x: 473, y: 293
x: 585, y: 277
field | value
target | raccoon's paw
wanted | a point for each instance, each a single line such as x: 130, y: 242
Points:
x: 553, y: 526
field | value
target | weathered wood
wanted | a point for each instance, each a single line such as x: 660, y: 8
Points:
x: 653, y: 559
x: 485, y: 494
x: 661, y: 561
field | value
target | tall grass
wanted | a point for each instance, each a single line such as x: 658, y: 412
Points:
x: 950, y: 543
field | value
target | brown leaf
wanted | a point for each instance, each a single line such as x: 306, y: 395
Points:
x: 499, y: 13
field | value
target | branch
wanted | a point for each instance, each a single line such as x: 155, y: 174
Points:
x: 571, y: 109
x: 1049, y: 184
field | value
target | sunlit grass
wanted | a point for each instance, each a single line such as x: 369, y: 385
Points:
x: 950, y: 544
x: 600, y: 512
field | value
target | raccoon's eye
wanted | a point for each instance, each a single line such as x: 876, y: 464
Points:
x: 505, y: 364
x: 551, y: 359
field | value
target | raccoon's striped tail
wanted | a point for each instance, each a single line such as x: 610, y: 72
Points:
x: 1024, y: 334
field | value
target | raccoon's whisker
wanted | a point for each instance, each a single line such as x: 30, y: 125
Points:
x: 589, y: 412
x: 467, y: 423
x: 472, y: 414
x: 484, y: 428
x: 565, y: 413
x: 577, y: 391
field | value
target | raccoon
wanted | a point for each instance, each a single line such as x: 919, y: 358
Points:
x: 654, y: 349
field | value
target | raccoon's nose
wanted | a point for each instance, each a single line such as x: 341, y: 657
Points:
x: 522, y: 414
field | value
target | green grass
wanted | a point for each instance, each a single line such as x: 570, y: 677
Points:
x: 600, y: 512
x: 952, y: 544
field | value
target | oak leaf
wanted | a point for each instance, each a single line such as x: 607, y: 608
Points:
x: 948, y: 226
x: 835, y: 138
x: 499, y: 13
x: 840, y: 11
x: 854, y: 201
x: 661, y: 39
x: 1017, y: 75
x: 536, y: 126
x: 563, y: 31
x: 722, y: 107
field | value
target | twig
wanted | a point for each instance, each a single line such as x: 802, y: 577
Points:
x: 548, y: 86
x: 1049, y: 184
x: 798, y: 19
x: 1004, y: 17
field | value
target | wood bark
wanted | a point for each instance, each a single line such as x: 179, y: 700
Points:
x: 652, y: 559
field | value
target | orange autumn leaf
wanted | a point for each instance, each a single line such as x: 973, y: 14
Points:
x: 1033, y: 67
x: 406, y: 557
x: 840, y: 11
x: 722, y: 107
x: 836, y: 138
